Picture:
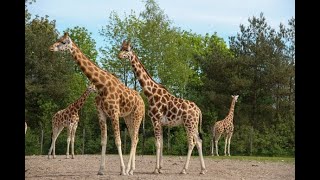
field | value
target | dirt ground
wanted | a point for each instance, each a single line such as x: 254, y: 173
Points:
x: 87, y: 166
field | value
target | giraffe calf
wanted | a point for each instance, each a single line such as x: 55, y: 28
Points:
x: 68, y: 117
x: 226, y: 127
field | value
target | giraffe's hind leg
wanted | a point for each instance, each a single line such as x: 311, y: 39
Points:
x: 73, y: 134
x: 103, y: 127
x: 116, y: 131
x: 191, y: 145
x: 199, y: 147
x: 229, y: 142
x: 133, y: 125
x: 216, y: 142
x: 131, y: 163
x: 68, y: 140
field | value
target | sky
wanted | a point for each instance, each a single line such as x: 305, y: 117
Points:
x: 198, y: 16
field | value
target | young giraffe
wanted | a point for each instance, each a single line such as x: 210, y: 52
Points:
x: 166, y: 110
x: 115, y: 100
x: 224, y: 126
x: 68, y: 117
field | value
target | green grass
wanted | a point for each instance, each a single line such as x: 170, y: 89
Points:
x: 256, y: 158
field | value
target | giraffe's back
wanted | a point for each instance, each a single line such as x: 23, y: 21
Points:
x: 175, y: 111
x: 65, y: 117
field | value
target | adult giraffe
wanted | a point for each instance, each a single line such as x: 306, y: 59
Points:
x: 166, y: 110
x: 114, y: 100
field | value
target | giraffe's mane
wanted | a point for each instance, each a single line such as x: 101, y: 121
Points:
x: 162, y: 86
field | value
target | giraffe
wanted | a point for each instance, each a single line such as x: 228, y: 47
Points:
x: 166, y: 110
x: 224, y: 126
x: 68, y: 117
x: 114, y: 100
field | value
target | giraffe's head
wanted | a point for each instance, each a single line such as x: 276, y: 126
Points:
x: 126, y: 50
x: 92, y: 88
x: 235, y: 97
x: 62, y: 44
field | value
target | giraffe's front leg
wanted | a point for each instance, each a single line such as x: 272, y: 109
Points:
x: 225, y: 145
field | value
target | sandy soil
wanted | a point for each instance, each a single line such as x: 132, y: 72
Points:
x: 87, y: 166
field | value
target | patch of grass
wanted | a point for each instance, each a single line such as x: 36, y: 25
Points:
x: 256, y: 158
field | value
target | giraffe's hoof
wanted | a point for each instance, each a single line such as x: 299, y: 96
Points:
x: 130, y: 172
x: 203, y: 171
x: 101, y: 171
x: 183, y: 171
x: 123, y: 174
x: 156, y: 171
x: 123, y: 171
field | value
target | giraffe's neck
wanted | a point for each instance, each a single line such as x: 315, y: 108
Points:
x: 90, y: 69
x: 231, y: 111
x: 144, y: 78
x: 77, y: 105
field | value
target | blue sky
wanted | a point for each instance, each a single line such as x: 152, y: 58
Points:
x: 199, y: 16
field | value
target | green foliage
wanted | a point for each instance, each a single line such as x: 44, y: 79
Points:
x: 32, y: 142
x: 178, y: 139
